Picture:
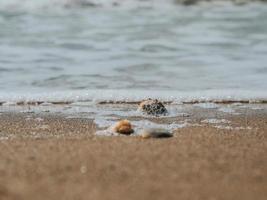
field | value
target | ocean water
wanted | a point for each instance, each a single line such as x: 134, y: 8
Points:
x: 67, y: 50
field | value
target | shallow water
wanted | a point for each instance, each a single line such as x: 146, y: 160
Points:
x: 65, y: 50
x: 179, y: 116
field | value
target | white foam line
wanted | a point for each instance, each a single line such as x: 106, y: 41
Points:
x: 216, y: 121
x: 232, y: 128
x: 228, y: 110
x: 207, y: 105
x: 95, y: 96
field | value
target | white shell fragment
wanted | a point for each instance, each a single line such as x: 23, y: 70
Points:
x: 155, y: 133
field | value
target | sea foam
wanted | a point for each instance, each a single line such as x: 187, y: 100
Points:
x: 132, y: 96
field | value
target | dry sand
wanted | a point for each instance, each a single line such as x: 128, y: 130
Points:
x: 57, y: 158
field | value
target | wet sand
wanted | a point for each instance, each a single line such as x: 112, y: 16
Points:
x: 46, y: 156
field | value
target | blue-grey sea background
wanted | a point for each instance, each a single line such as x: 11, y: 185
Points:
x: 63, y: 49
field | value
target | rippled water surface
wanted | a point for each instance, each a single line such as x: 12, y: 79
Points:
x: 175, y: 48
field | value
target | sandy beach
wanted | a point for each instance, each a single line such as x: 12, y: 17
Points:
x: 47, y: 156
x: 133, y: 100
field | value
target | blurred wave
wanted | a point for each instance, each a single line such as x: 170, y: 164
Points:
x: 33, y: 5
x: 27, y: 5
x: 187, y: 49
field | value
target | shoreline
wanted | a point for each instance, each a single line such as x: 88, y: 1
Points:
x: 192, y: 102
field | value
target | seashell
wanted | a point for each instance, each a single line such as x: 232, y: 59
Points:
x: 123, y: 127
x: 155, y: 133
x: 152, y: 107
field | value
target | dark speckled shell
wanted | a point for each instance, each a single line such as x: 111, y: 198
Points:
x: 153, y: 107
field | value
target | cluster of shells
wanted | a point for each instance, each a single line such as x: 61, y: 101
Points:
x: 148, y: 107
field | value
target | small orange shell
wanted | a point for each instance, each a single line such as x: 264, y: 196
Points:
x: 123, y: 127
